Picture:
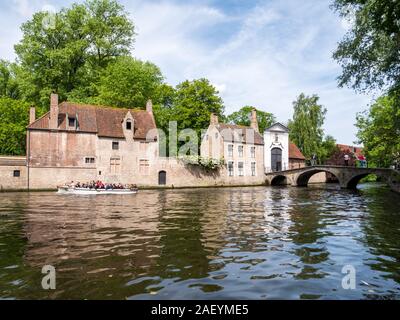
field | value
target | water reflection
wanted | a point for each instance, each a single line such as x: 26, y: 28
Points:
x: 202, y: 244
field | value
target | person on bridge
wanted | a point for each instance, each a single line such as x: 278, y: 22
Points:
x: 346, y: 160
x: 313, y: 160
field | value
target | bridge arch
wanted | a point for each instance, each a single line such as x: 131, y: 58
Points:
x: 355, y: 179
x: 304, y: 177
x: 348, y: 177
x: 279, y: 180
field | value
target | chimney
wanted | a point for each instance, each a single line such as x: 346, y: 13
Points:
x: 254, y: 122
x: 213, y: 119
x: 53, y: 123
x: 149, y: 106
x: 32, y: 115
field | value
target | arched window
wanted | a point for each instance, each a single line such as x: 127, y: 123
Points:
x: 162, y: 178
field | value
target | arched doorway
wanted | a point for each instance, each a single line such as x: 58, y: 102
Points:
x: 276, y: 159
x: 162, y: 178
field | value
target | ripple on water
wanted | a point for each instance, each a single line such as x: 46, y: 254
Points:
x: 239, y: 243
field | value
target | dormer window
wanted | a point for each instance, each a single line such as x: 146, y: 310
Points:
x: 129, y: 125
x: 71, y: 122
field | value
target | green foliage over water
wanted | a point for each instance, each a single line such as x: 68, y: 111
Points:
x: 369, y: 52
x: 379, y: 131
x: 369, y: 56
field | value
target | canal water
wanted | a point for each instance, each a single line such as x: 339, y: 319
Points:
x: 223, y: 243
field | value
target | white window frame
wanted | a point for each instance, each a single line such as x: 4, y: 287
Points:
x: 241, y: 151
x: 241, y: 169
x: 253, y: 172
x: 230, y: 150
x: 231, y: 173
x: 253, y: 152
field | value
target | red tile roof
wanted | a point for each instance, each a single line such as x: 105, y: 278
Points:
x: 294, y: 152
x: 357, y: 151
x: 105, y: 121
x: 246, y: 134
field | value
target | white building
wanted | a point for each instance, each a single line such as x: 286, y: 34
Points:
x: 276, y: 148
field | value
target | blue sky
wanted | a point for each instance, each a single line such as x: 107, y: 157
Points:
x: 260, y: 53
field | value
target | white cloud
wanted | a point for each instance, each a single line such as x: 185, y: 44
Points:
x: 262, y: 56
x: 220, y: 87
x: 276, y: 51
x: 23, y: 7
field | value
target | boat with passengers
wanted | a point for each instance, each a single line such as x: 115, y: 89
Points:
x: 97, y: 188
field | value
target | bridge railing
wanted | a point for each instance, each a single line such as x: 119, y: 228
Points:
x: 270, y: 170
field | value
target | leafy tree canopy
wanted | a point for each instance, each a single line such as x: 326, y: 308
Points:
x: 67, y: 53
x: 128, y: 82
x: 194, y: 102
x: 190, y: 104
x: 13, y: 119
x: 379, y: 131
x: 369, y: 52
x: 242, y: 117
x: 8, y: 83
x: 306, y: 126
x: 328, y: 148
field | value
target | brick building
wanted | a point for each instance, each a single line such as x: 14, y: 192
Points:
x: 241, y: 147
x: 354, y: 153
x: 85, y: 142
x: 79, y: 142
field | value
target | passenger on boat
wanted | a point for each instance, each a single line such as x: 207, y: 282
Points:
x: 100, y: 185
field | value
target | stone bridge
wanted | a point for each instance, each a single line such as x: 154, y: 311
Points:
x: 348, y: 177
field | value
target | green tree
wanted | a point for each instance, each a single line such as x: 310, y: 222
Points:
x: 369, y: 56
x: 8, y: 82
x: 379, y: 131
x: 194, y: 102
x: 306, y: 126
x: 110, y: 31
x: 242, y: 117
x: 328, y: 148
x: 190, y: 104
x: 129, y: 82
x: 68, y: 54
x: 369, y: 52
x: 13, y: 119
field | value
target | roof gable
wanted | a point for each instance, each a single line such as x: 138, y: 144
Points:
x: 278, y: 127
x: 237, y: 133
x: 294, y: 152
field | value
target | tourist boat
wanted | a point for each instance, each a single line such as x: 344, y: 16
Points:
x: 87, y: 191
